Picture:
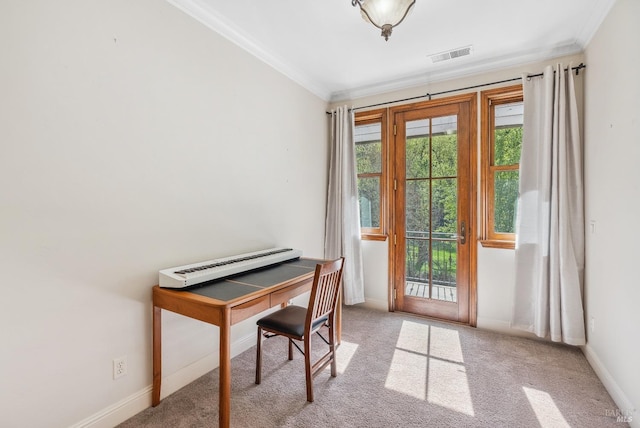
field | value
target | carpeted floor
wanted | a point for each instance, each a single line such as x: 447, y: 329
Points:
x: 395, y: 370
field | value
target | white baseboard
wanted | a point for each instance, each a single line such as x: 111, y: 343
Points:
x: 617, y: 394
x: 118, y: 412
x: 501, y: 326
x: 381, y: 305
x: 141, y: 400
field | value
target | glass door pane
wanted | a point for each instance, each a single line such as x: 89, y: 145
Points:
x: 431, y: 208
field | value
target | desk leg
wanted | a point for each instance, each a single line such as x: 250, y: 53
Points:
x: 339, y: 320
x: 225, y: 370
x: 157, y: 355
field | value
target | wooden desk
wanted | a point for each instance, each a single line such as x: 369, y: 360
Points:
x: 227, y: 302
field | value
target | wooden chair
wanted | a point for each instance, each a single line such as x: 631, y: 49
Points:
x: 299, y: 323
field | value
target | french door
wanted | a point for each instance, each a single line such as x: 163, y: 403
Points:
x: 433, y: 228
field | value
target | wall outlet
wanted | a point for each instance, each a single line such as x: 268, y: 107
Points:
x: 119, y: 367
x: 592, y: 324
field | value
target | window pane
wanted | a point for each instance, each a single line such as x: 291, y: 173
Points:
x: 445, y: 156
x: 417, y: 208
x: 508, y: 133
x: 369, y: 199
x: 417, y: 148
x: 506, y: 198
x: 444, y: 208
x: 417, y: 157
x: 368, y: 140
x: 444, y: 261
x: 418, y: 201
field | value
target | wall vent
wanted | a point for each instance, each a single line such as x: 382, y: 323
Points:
x: 454, y: 53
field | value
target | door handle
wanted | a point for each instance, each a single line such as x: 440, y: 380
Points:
x: 463, y: 233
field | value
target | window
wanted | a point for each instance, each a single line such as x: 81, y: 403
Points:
x: 502, y: 120
x: 371, y: 151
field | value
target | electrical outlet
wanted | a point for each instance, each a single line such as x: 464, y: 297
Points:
x: 119, y: 367
x: 592, y: 324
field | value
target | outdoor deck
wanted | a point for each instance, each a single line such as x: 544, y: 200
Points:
x: 439, y: 292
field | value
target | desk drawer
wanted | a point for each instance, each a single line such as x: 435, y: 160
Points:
x: 249, y: 309
x: 286, y: 294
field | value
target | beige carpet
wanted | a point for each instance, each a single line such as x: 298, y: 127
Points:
x: 396, y: 370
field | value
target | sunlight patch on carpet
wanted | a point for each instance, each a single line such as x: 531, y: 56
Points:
x: 407, y: 374
x: 545, y: 408
x: 445, y: 344
x: 344, y: 353
x: 408, y: 370
x: 428, y: 365
x: 414, y: 337
x: 449, y: 386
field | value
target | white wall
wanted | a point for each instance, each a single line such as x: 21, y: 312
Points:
x: 612, y: 156
x: 375, y: 255
x: 132, y: 139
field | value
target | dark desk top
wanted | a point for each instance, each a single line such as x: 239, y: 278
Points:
x: 247, y: 282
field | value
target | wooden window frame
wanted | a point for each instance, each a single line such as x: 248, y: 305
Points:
x: 489, y: 99
x: 364, y: 118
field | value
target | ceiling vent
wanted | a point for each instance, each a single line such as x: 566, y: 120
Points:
x: 455, y: 53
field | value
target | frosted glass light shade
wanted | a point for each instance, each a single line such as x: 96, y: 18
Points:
x: 385, y: 14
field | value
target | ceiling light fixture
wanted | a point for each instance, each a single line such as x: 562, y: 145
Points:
x: 384, y: 14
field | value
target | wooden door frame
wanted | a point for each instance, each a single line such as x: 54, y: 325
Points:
x: 472, y: 234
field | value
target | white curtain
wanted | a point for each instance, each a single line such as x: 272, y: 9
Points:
x: 550, y: 224
x: 342, y: 231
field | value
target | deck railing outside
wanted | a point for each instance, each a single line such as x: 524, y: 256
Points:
x: 443, y: 261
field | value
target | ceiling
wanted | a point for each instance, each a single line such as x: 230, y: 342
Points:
x: 328, y: 48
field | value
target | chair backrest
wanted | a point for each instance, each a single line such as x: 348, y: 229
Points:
x: 325, y: 290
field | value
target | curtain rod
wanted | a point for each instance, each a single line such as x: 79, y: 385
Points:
x: 576, y: 68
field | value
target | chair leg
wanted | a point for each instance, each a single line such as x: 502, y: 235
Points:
x: 307, y: 367
x: 259, y: 357
x: 332, y: 349
x: 290, y: 349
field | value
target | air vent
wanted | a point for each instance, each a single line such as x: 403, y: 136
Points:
x: 455, y: 53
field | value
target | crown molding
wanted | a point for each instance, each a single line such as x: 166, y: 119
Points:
x: 455, y: 70
x: 213, y: 20
x: 591, y: 26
